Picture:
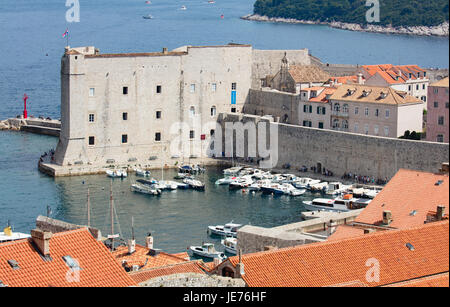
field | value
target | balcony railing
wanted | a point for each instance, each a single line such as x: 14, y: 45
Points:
x: 339, y: 113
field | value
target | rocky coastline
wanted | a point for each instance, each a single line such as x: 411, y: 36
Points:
x: 441, y: 30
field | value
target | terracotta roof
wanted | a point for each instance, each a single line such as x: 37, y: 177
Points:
x: 307, y: 73
x: 440, y: 280
x: 322, y: 97
x: 345, y: 231
x: 345, y: 79
x: 407, y: 191
x: 374, y: 95
x: 395, y: 74
x: 441, y: 83
x: 345, y: 262
x: 98, y: 266
x: 186, y: 267
x: 142, y: 258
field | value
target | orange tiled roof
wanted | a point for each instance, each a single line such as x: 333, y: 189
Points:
x: 407, y: 191
x: 345, y: 231
x: 394, y: 74
x: 440, y: 280
x: 305, y: 74
x: 98, y: 266
x: 441, y: 83
x: 342, y: 262
x: 322, y: 97
x: 186, y: 267
x: 345, y: 79
x: 374, y: 95
x: 142, y: 258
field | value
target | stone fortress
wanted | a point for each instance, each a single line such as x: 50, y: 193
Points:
x: 163, y: 108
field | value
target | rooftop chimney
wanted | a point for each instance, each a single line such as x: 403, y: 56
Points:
x: 387, y: 217
x: 240, y: 266
x: 149, y: 241
x: 165, y: 50
x: 216, y: 261
x: 367, y: 231
x: 131, y: 246
x: 440, y: 212
x: 360, y: 78
x: 42, y: 241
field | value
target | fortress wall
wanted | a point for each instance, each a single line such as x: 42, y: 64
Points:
x: 342, y: 152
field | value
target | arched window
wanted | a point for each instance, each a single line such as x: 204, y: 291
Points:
x: 213, y: 111
x: 192, y: 112
x: 335, y: 123
x: 337, y: 107
x: 345, y: 108
x: 285, y: 118
x: 345, y: 124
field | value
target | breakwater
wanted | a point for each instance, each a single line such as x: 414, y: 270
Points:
x: 34, y: 125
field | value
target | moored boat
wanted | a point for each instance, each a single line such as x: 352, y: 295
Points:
x: 207, y: 250
x: 340, y: 204
x: 145, y: 189
x: 230, y: 245
x: 117, y: 173
x: 194, y: 184
x: 228, y: 230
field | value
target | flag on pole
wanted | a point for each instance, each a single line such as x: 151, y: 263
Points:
x: 65, y: 33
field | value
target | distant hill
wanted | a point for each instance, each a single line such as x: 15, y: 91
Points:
x: 392, y: 12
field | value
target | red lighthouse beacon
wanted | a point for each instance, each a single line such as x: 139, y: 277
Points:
x: 25, y: 114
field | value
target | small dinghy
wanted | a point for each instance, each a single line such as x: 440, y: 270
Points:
x: 297, y: 192
x: 145, y: 189
x: 226, y: 180
x: 207, y: 250
x: 116, y: 173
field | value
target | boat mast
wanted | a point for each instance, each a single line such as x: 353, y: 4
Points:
x: 88, y: 209
x: 111, y: 201
x: 132, y: 227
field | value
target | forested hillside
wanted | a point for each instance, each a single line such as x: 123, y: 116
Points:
x: 392, y: 12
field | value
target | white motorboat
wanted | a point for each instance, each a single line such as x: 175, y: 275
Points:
x: 256, y: 186
x: 183, y: 8
x: 304, y: 183
x: 318, y: 187
x: 194, y: 184
x: 232, y: 170
x: 297, y: 192
x: 278, y: 178
x: 145, y: 189
x: 142, y: 173
x: 340, y: 204
x: 241, y: 182
x: 168, y: 185
x: 225, y: 180
x: 207, y: 250
x: 147, y: 16
x: 230, y: 245
x: 229, y: 230
x: 117, y: 173
x: 336, y: 188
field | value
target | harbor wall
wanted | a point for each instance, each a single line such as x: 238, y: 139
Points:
x: 340, y: 152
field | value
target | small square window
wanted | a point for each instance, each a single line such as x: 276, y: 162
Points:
x: 125, y: 116
x: 233, y: 110
x: 320, y: 125
x: 192, y: 88
x: 158, y: 136
x: 91, y: 118
x: 233, y: 86
x: 446, y: 105
x: 212, y: 131
x: 213, y: 87
x: 158, y: 89
x: 124, y: 138
x: 91, y: 140
x: 125, y: 90
x: 191, y: 134
x: 436, y: 104
x: 387, y: 113
x: 91, y: 92
x: 158, y: 114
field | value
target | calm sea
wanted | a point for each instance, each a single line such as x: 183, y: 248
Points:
x: 31, y: 45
